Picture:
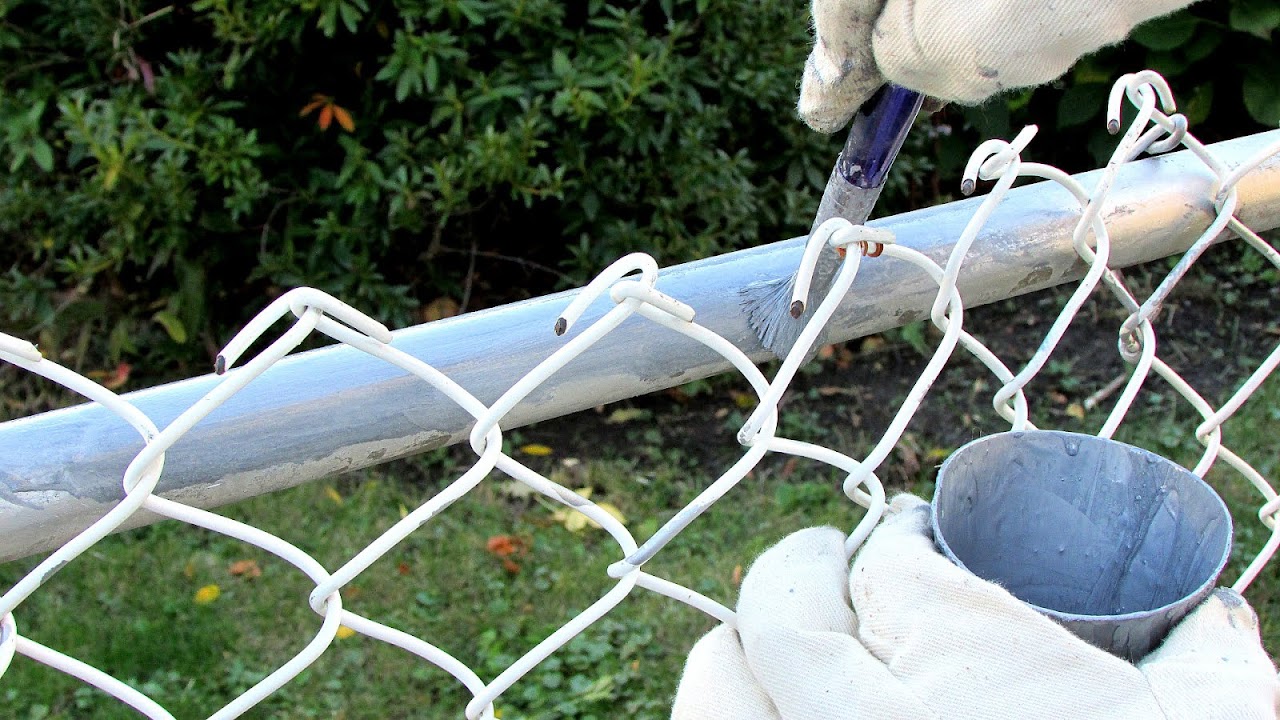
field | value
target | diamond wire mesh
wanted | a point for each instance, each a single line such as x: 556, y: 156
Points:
x: 630, y: 284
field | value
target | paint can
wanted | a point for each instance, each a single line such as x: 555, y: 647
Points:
x: 1112, y: 541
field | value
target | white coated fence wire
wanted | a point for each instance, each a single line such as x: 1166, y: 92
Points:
x: 629, y: 282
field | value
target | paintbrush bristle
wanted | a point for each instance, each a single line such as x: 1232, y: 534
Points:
x: 768, y: 307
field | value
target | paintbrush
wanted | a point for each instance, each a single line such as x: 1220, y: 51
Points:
x: 875, y: 136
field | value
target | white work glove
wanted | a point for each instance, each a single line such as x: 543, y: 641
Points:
x: 954, y: 50
x: 925, y: 639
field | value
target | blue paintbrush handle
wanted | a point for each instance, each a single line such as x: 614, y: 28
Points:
x: 876, y: 134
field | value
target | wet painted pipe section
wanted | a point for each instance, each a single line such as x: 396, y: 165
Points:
x: 1112, y: 541
x: 334, y: 410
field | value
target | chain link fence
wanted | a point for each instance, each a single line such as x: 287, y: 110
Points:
x: 630, y: 285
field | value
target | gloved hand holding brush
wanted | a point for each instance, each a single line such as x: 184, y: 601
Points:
x: 951, y: 50
x: 960, y: 51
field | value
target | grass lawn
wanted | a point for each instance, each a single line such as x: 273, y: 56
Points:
x: 130, y: 605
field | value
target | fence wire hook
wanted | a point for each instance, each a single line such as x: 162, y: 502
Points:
x: 620, y: 268
x: 995, y: 157
x: 635, y: 290
x: 1141, y: 88
x: 297, y: 301
x: 813, y: 247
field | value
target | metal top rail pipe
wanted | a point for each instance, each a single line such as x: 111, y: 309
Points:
x: 336, y: 409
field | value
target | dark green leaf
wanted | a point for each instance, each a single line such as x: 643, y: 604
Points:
x: 172, y: 325
x: 1206, y: 41
x: 432, y: 73
x: 350, y: 15
x: 42, y: 154
x: 1197, y: 104
x: 404, y: 86
x: 1080, y: 104
x: 991, y: 118
x: 560, y: 63
x: 1257, y: 17
x: 1262, y: 95
x: 1166, y: 33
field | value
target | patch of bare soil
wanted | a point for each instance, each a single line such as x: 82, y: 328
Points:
x: 1217, y: 327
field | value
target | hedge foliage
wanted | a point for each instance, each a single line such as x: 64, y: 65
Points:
x: 173, y: 167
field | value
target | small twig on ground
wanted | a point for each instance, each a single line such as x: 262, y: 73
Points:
x: 1107, y: 391
x: 507, y: 258
x: 471, y: 274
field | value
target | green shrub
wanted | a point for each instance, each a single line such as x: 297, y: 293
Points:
x: 171, y: 168
x: 164, y: 185
x: 1219, y: 58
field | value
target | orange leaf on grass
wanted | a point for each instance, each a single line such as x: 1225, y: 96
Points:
x: 504, y: 545
x: 247, y: 568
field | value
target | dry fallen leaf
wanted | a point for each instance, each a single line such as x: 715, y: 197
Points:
x: 505, y: 547
x: 207, y: 594
x: 441, y: 307
x: 536, y: 450
x: 626, y: 415
x: 872, y: 344
x: 515, y: 489
x: 612, y: 510
x: 333, y: 494
x: 844, y: 357
x: 575, y: 521
x: 937, y: 455
x: 247, y: 568
x: 1075, y: 410
x: 572, y: 520
x: 112, y: 379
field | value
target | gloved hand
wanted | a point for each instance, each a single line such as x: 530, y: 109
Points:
x: 955, y: 50
x: 925, y: 639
